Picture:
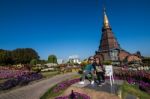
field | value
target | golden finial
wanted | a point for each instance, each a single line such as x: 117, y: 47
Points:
x: 106, y: 22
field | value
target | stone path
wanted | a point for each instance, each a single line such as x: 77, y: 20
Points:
x: 35, y: 90
x: 106, y: 87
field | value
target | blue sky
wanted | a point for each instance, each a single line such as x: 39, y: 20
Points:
x: 68, y: 27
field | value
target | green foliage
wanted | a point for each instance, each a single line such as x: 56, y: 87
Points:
x: 24, y: 55
x: 33, y: 62
x: 5, y: 57
x: 49, y: 94
x: 41, y: 62
x: 17, y: 56
x: 52, y: 59
x: 50, y: 74
x: 134, y: 90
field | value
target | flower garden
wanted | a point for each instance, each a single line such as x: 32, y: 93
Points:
x: 138, y: 78
x: 12, y: 72
x: 14, y: 77
x: 137, y: 81
x: 55, y: 91
x: 65, y: 84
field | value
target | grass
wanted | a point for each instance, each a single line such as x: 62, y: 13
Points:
x: 50, y: 94
x: 134, y: 90
x: 49, y: 74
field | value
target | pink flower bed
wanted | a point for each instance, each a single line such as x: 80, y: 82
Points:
x: 8, y: 72
x: 64, y: 85
x: 140, y: 78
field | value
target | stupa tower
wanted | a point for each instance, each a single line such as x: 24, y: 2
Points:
x: 109, y: 47
x: 108, y: 40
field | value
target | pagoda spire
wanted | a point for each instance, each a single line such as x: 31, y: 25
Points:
x: 108, y: 40
x: 105, y: 20
x: 109, y: 48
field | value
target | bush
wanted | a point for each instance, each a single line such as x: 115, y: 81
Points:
x: 21, y: 80
x: 140, y: 78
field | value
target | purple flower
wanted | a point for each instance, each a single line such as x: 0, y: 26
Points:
x: 65, y: 84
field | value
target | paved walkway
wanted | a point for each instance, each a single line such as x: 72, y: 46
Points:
x: 106, y: 87
x: 35, y: 90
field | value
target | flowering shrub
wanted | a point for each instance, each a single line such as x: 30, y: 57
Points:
x: 59, y: 88
x: 64, y: 85
x: 11, y: 72
x: 12, y: 68
x: 20, y: 80
x: 140, y: 78
x: 144, y: 86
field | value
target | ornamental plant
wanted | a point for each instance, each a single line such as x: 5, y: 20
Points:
x: 20, y: 80
x: 139, y: 78
x: 64, y: 85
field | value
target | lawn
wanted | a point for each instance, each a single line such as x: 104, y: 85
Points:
x: 50, y: 74
x: 49, y: 93
x: 134, y: 90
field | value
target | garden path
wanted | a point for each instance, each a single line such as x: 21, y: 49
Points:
x: 35, y: 90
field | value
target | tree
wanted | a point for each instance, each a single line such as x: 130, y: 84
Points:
x: 24, y: 55
x: 20, y: 55
x: 52, y: 59
x: 41, y: 61
x: 33, y: 62
x: 5, y: 57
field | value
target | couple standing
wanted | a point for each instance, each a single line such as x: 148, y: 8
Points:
x: 96, y: 70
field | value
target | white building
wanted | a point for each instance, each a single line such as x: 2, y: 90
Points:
x: 74, y: 59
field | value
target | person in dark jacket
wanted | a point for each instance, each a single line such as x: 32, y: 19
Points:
x: 99, y: 70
